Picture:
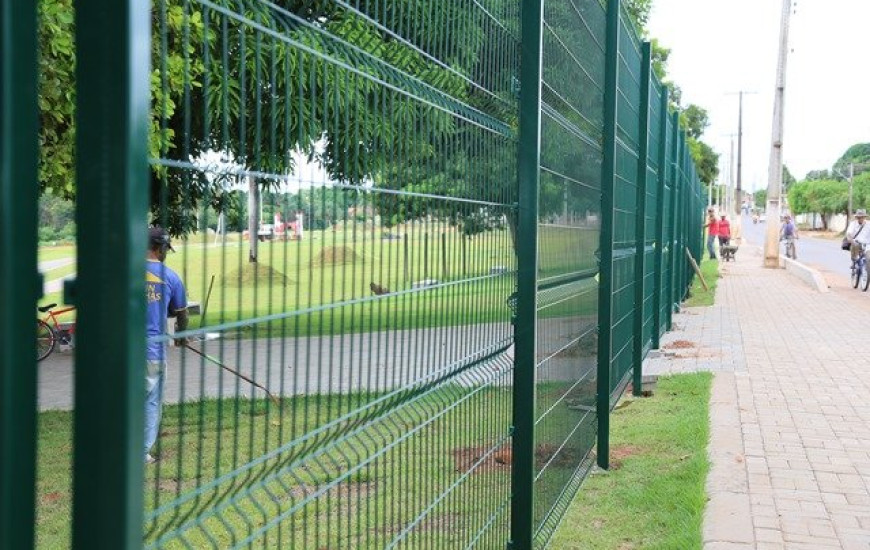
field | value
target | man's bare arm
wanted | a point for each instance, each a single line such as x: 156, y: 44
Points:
x: 181, y: 320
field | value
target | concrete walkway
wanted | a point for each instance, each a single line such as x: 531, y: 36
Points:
x: 790, y: 415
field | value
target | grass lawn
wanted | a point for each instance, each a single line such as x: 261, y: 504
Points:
x: 342, y: 471
x: 59, y: 252
x: 653, y: 496
x: 699, y: 296
x: 321, y: 285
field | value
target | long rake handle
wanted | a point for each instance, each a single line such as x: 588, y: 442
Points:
x: 235, y: 372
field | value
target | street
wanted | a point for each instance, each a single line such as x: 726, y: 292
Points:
x: 823, y: 255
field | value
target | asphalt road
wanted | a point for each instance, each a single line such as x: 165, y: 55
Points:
x: 822, y: 254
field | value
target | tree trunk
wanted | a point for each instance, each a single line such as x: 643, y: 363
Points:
x: 824, y: 221
x: 253, y: 217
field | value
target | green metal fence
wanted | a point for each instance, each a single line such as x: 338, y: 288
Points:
x: 425, y: 245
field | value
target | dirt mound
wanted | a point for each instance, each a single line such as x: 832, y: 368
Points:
x: 336, y: 255
x: 679, y: 344
x: 259, y: 274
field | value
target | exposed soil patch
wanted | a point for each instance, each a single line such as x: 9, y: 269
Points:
x: 466, y: 458
x: 679, y: 344
x: 335, y: 255
x: 52, y: 497
x: 500, y: 459
x: 258, y: 274
x: 619, y: 453
x: 347, y: 491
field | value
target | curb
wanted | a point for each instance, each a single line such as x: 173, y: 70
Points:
x: 806, y: 274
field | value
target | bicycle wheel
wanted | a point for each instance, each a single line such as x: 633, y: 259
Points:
x: 856, y: 275
x: 864, y: 279
x: 793, y: 251
x: 46, y: 340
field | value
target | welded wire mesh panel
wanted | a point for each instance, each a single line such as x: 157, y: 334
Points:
x: 569, y: 234
x: 340, y: 179
x: 653, y: 215
x: 625, y: 206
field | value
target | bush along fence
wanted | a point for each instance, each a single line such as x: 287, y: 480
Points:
x: 430, y: 245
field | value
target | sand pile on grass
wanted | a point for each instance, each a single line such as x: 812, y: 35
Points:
x: 335, y: 255
x: 259, y: 274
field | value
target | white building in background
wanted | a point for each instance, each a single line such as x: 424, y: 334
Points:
x: 814, y: 221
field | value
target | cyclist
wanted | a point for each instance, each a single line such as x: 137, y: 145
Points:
x: 788, y: 232
x: 858, y: 233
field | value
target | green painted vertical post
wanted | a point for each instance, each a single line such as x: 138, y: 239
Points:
x: 640, y: 228
x: 682, y: 261
x: 605, y: 286
x: 112, y: 113
x: 660, y: 220
x: 19, y: 281
x: 674, y: 241
x: 525, y: 366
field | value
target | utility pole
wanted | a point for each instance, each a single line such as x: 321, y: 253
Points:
x: 851, y: 177
x: 737, y: 207
x: 738, y: 195
x: 774, y: 175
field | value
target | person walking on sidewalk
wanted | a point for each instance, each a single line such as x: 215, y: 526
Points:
x: 712, y: 227
x: 165, y: 297
x: 724, y: 231
x: 858, y: 233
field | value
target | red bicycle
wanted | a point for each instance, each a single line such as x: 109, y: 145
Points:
x: 49, y: 332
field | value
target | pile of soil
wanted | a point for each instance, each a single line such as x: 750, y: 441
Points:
x: 259, y: 274
x: 335, y: 255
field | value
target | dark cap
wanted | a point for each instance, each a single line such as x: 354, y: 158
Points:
x: 159, y: 237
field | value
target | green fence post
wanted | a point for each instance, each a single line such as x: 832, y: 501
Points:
x: 19, y: 280
x: 660, y: 223
x: 683, y: 262
x: 605, y: 288
x: 525, y: 337
x: 675, y: 178
x: 112, y: 75
x: 640, y: 228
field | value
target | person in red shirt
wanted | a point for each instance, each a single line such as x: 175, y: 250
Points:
x: 712, y: 227
x: 724, y: 231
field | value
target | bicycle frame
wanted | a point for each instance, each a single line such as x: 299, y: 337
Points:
x: 51, y: 316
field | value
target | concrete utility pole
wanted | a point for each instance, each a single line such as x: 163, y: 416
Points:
x: 851, y: 177
x: 774, y: 175
x: 737, y: 206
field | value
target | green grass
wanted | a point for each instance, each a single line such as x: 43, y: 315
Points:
x: 653, y: 496
x: 305, y: 280
x: 697, y: 295
x: 59, y: 252
x: 411, y: 442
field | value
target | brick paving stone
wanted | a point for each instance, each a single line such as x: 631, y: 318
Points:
x: 784, y: 364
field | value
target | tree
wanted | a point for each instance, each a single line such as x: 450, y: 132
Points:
x: 824, y: 197
x: 857, y: 154
x: 761, y: 199
x: 706, y: 160
x: 694, y: 120
x: 787, y: 179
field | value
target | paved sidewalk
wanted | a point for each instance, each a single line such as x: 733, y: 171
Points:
x: 790, y: 410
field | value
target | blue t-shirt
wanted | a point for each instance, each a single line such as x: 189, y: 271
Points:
x: 788, y: 229
x: 164, y: 293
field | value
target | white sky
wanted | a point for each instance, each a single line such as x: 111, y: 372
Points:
x: 719, y: 47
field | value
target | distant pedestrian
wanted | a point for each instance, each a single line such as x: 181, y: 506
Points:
x: 712, y: 227
x: 724, y: 231
x: 858, y: 233
x: 165, y: 297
